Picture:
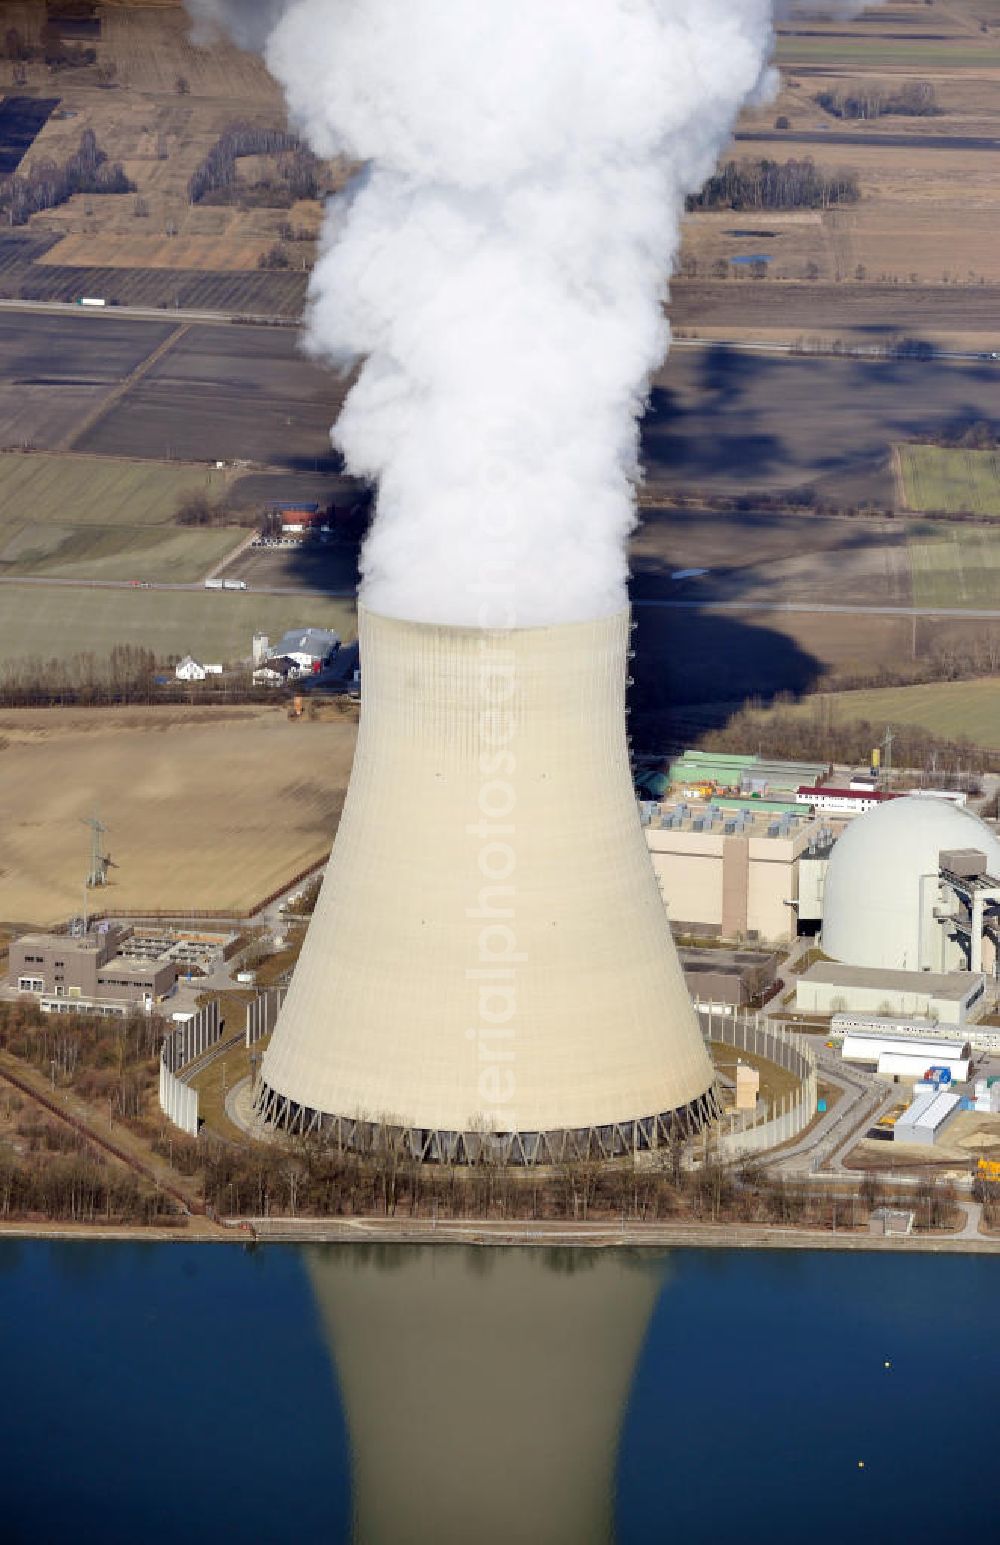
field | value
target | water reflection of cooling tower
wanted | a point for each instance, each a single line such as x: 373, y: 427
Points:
x: 490, y: 952
x: 484, y: 1389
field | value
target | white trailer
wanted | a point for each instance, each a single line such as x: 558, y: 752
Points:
x: 842, y: 1024
x: 215, y: 584
x: 234, y: 584
x: 930, y: 1049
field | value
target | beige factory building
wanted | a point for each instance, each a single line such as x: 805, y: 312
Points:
x: 945, y: 997
x: 738, y: 873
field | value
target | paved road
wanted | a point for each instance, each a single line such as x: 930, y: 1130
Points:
x: 703, y: 603
x: 144, y: 313
x: 222, y: 318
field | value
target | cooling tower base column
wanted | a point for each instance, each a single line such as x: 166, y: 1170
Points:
x: 519, y: 1149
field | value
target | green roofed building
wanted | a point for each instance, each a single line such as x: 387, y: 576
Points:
x: 750, y: 774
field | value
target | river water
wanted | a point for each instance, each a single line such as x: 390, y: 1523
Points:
x: 402, y: 1395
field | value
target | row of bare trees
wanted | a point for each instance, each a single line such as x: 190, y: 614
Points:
x: 46, y: 184
x: 765, y: 184
x: 217, y: 179
x: 870, y: 100
x: 127, y: 675
x: 311, y: 1178
x: 77, y: 1188
x: 822, y: 737
x: 51, y: 48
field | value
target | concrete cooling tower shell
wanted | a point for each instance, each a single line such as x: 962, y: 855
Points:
x: 881, y: 887
x: 490, y: 953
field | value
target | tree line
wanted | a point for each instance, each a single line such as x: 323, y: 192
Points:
x: 765, y: 184
x: 46, y: 184
x: 76, y: 1189
x: 128, y: 675
x: 106, y: 1060
x: 819, y: 736
x: 310, y: 1178
x: 198, y: 510
x: 50, y: 48
x: 915, y: 99
x: 217, y: 179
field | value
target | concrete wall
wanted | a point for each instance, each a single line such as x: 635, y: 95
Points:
x: 741, y: 1133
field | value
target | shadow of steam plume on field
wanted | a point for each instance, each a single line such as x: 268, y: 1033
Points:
x: 709, y: 661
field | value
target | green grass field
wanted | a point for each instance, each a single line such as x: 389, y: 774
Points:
x: 91, y: 517
x: 98, y: 490
x: 955, y: 565
x: 954, y: 481
x: 56, y: 622
x: 949, y: 709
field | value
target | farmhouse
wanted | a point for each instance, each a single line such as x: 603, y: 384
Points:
x: 190, y: 669
x: 308, y: 648
x: 302, y: 519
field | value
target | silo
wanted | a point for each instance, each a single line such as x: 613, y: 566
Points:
x: 489, y: 956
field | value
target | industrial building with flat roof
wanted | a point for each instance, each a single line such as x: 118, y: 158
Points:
x: 746, y: 774
x: 731, y: 868
x: 828, y: 988
x: 83, y: 969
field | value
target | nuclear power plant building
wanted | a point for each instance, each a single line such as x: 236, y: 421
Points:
x: 474, y: 970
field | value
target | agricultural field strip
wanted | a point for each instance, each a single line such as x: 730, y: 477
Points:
x: 207, y: 808
x: 138, y: 374
x: 951, y: 480
x: 56, y: 621
x: 94, y: 518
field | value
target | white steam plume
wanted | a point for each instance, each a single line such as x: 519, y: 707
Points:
x: 501, y: 268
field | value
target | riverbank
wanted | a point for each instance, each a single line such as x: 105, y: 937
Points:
x: 569, y: 1236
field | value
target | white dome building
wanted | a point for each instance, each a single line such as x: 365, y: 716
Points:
x: 882, y: 886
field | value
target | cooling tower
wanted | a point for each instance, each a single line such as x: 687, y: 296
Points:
x: 490, y: 953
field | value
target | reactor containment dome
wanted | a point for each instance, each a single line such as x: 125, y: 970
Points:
x: 882, y: 885
x: 490, y: 961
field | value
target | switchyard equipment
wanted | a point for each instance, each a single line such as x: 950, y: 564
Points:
x: 475, y: 977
